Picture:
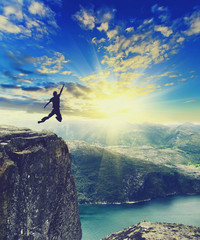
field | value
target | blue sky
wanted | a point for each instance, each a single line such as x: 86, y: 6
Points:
x: 132, y: 60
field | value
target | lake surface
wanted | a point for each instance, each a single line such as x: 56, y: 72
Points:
x: 100, y: 220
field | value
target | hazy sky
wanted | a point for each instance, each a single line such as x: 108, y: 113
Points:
x: 137, y: 60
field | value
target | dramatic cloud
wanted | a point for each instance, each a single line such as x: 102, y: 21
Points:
x: 31, y: 72
x: 26, y: 20
x: 86, y: 18
x: 49, y: 65
x: 127, y: 54
x: 38, y: 8
x: 7, y: 26
x: 112, y: 33
x: 114, y: 65
x: 16, y: 78
x: 95, y: 41
x: 16, y: 11
x: 103, y: 27
x: 164, y: 30
x: 194, y: 24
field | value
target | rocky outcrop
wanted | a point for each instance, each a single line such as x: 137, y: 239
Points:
x: 38, y: 198
x: 156, y: 231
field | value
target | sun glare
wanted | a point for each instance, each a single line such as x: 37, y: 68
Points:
x: 115, y: 106
x: 122, y: 108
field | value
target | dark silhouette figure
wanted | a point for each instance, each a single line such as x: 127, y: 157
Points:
x: 56, y: 107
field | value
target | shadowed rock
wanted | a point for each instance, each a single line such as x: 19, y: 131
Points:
x: 37, y: 192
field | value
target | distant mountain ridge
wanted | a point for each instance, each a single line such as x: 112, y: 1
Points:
x: 136, y: 162
x: 106, y: 176
x: 128, y: 134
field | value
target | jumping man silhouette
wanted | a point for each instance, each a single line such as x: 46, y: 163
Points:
x: 56, y: 107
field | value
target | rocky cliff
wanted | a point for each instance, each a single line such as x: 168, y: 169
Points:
x: 38, y: 199
x: 156, y: 231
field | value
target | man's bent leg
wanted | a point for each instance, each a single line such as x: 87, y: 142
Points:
x: 59, y: 117
x: 45, y: 118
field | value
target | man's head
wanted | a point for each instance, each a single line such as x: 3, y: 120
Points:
x: 55, y: 93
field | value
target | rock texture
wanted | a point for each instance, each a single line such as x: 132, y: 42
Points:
x: 157, y: 231
x: 38, y: 199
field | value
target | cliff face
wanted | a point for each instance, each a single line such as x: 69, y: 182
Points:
x: 156, y: 231
x: 37, y: 192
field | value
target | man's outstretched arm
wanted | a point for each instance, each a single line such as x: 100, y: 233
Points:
x: 47, y: 103
x: 61, y: 89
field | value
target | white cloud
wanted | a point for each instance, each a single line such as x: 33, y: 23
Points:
x: 10, y: 10
x: 148, y: 21
x: 139, y: 50
x: 129, y: 76
x: 128, y: 53
x: 88, y: 18
x: 105, y: 15
x: 180, y: 39
x: 96, y: 41
x: 50, y: 65
x: 130, y: 29
x: 164, y: 30
x: 111, y: 34
x: 103, y: 27
x: 165, y: 74
x: 66, y: 72
x: 120, y: 43
x: 25, y: 20
x: 132, y: 63
x: 38, y: 8
x: 194, y: 24
x: 7, y: 26
x: 85, y: 18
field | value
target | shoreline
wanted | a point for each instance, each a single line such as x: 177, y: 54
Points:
x: 115, y: 203
x: 139, y: 201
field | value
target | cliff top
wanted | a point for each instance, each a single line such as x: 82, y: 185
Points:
x: 156, y: 231
x: 7, y: 131
x: 12, y: 134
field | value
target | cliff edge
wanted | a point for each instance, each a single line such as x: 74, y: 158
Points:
x: 38, y: 199
x: 157, y: 231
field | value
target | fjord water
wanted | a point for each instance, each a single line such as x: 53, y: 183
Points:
x: 100, y: 220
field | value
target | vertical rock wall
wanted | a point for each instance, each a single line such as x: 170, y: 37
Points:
x: 38, y: 198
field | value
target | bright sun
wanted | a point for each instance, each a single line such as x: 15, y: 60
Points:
x: 114, y: 106
x: 123, y: 108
